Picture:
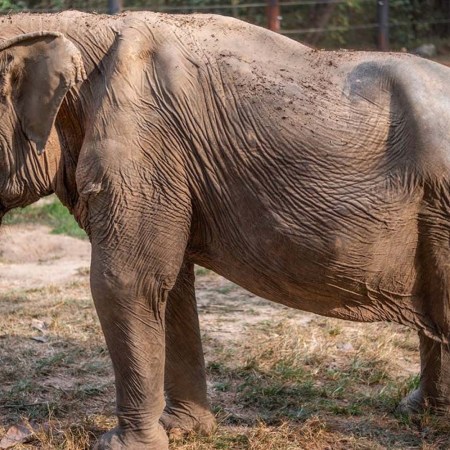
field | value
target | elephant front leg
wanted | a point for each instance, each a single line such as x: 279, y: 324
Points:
x: 135, y: 263
x: 132, y: 318
x: 187, y: 406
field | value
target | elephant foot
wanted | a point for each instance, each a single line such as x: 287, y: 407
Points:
x: 412, y: 404
x: 118, y: 439
x: 416, y: 403
x: 179, y: 422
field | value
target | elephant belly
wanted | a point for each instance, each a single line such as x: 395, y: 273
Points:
x: 362, y: 270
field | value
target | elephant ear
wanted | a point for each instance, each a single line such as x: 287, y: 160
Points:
x: 36, y: 71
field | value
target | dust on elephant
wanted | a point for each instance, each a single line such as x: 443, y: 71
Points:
x: 315, y: 179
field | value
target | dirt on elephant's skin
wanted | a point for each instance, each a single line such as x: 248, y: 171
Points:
x: 279, y: 379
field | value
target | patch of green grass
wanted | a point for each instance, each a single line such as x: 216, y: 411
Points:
x: 84, y: 392
x: 226, y: 442
x: 226, y: 289
x: 354, y: 409
x: 44, y: 366
x: 52, y: 214
x: 394, y: 392
x: 290, y: 372
x: 21, y: 387
x: 222, y: 387
x: 37, y: 411
x: 201, y: 271
x: 275, y: 399
x: 411, y: 383
x: 216, y: 368
x: 274, y: 395
x: 218, y: 441
x: 285, y: 378
x: 367, y: 371
x: 391, y: 393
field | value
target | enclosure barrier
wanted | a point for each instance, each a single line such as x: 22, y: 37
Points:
x: 322, y: 23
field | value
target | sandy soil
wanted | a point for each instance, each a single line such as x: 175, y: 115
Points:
x: 32, y: 257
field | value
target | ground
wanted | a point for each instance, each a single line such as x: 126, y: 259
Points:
x: 279, y: 379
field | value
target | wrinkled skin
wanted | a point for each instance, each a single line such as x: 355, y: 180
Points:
x: 315, y: 179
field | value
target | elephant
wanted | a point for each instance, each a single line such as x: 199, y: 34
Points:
x: 315, y: 179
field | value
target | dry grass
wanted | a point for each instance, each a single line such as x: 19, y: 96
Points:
x: 311, y: 434
x: 296, y: 381
x: 55, y: 371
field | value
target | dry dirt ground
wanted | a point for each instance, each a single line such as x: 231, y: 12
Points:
x: 279, y: 379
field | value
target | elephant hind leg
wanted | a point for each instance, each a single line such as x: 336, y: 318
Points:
x: 435, y: 374
x: 187, y: 407
x: 433, y: 260
x: 434, y: 391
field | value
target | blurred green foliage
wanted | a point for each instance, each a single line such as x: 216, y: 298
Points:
x: 354, y: 23
x: 51, y: 213
x: 351, y: 23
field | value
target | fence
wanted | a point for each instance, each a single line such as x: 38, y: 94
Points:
x: 323, y: 23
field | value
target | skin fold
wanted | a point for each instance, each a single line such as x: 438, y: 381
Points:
x: 318, y: 180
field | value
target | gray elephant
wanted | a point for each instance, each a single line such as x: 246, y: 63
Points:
x: 315, y: 179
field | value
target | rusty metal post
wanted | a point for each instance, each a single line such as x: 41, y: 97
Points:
x: 273, y: 15
x: 114, y: 6
x: 383, y: 24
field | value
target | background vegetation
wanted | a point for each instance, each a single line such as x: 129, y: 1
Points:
x: 51, y: 213
x: 325, y: 23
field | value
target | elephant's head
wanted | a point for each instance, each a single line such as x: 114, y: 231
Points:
x: 36, y: 72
